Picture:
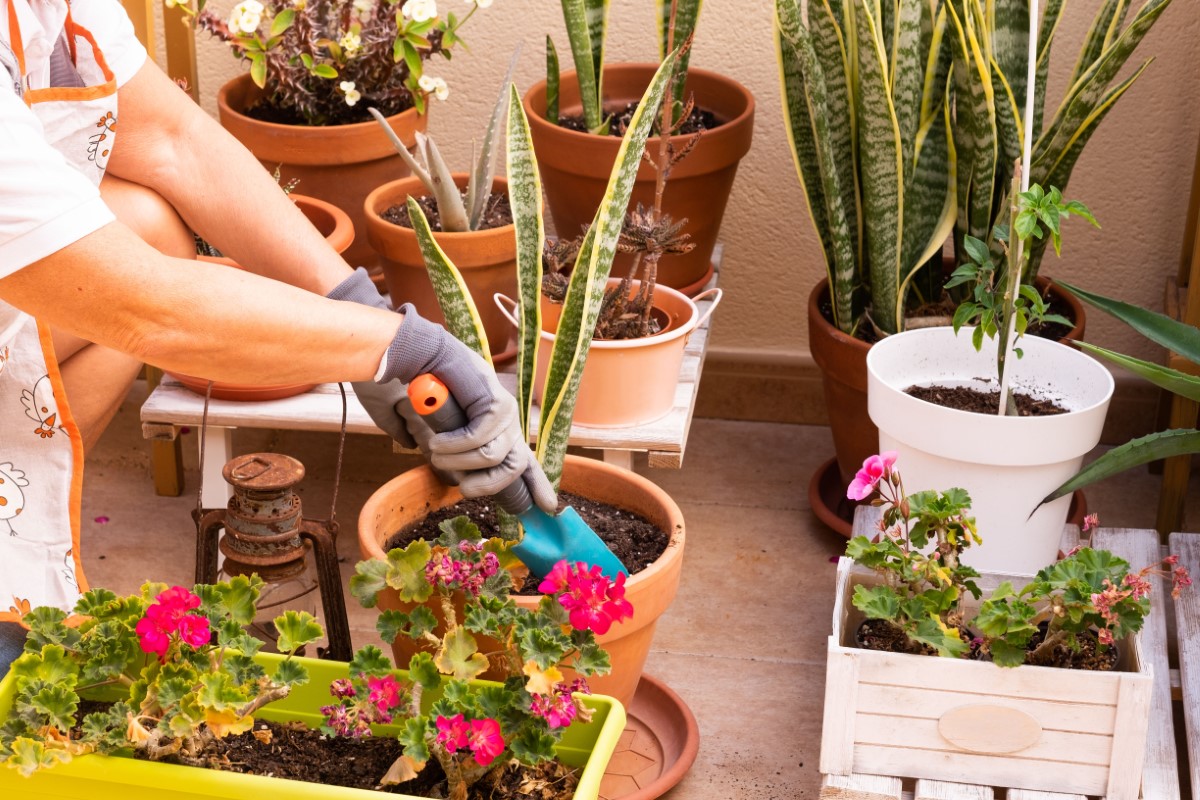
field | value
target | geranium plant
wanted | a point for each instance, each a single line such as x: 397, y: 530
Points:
x: 473, y: 731
x: 178, y: 662
x: 919, y: 554
x: 318, y: 60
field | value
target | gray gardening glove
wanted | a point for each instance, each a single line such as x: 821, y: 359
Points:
x: 488, y: 453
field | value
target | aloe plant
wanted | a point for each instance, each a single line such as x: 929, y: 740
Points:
x: 587, y: 23
x: 589, y: 277
x: 458, y: 214
x: 1176, y: 337
x: 867, y: 111
x: 991, y: 45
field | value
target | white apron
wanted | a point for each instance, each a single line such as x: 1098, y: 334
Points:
x: 41, y: 452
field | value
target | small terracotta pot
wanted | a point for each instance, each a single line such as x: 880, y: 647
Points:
x: 575, y: 166
x: 408, y: 498
x: 628, y: 381
x: 336, y: 163
x: 487, y: 259
x: 334, y: 224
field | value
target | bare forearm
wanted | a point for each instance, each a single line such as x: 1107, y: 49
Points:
x: 198, y: 318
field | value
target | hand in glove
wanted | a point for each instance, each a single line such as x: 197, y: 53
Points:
x: 483, y: 457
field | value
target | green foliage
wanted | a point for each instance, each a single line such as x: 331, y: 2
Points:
x: 296, y: 629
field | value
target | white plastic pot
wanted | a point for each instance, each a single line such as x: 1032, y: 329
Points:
x: 1007, y: 464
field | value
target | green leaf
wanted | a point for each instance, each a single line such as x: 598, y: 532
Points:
x: 479, y: 188
x: 686, y: 14
x: 283, y: 21
x: 57, y: 705
x: 369, y: 579
x: 459, y: 656
x: 51, y: 665
x: 532, y: 745
x: 1007, y: 655
x: 1158, y: 328
x: 46, y: 627
x: 552, y: 81
x: 977, y: 250
x: 243, y: 669
x: 296, y: 629
x: 1165, y: 444
x: 219, y: 692
x: 592, y: 660
x: 290, y: 673
x: 879, y: 602
x: 406, y: 571
x: 28, y: 756
x: 239, y: 597
x: 586, y: 21
x: 1173, y: 381
x: 421, y: 621
x: 413, y: 736
x: 391, y: 623
x: 326, y: 71
x: 370, y: 660
x: 421, y: 670
x: 258, y: 70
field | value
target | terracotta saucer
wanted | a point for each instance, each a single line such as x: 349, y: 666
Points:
x: 827, y: 497
x: 658, y: 747
x: 241, y: 392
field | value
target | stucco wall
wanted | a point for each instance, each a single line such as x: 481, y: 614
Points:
x: 1135, y: 173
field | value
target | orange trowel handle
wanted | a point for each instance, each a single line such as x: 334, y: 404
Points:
x: 432, y: 400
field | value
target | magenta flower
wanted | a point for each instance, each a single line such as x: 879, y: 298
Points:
x: 593, y: 601
x: 485, y: 740
x: 152, y: 637
x: 193, y: 630
x: 342, y: 687
x: 384, y: 693
x: 557, y: 709
x: 453, y: 732
x: 874, y: 469
x: 169, y: 615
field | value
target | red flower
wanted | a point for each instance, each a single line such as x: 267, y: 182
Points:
x: 485, y: 740
x: 594, y: 602
x: 453, y: 732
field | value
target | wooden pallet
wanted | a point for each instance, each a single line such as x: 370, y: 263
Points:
x: 1171, y: 627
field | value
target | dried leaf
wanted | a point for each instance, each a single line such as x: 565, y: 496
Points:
x: 402, y: 769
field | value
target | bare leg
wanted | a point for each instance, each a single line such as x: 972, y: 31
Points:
x: 98, y: 378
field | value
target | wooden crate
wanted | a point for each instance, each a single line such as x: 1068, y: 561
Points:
x: 1035, y: 728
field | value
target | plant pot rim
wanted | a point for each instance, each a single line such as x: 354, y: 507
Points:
x: 393, y: 192
x: 664, y: 564
x: 731, y: 128
x: 240, y: 81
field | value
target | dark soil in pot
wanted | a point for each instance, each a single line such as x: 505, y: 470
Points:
x: 634, y: 539
x: 886, y: 636
x: 697, y: 122
x: 496, y: 213
x: 963, y: 398
x: 1089, y: 656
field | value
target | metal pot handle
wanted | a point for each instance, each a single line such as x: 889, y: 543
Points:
x: 508, y: 307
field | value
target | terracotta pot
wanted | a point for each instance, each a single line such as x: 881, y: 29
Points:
x: 334, y: 224
x: 575, y: 166
x: 487, y: 259
x: 626, y: 382
x: 842, y: 360
x: 409, y: 497
x: 336, y: 163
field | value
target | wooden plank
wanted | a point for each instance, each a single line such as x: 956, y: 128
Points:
x: 1159, y: 771
x: 859, y: 787
x: 942, y: 790
x: 1020, y: 773
x: 837, y: 731
x: 932, y: 703
x: 1027, y: 794
x: 1128, y: 750
x: 1187, y: 621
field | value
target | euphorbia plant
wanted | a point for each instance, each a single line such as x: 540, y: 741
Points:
x: 919, y: 554
x: 179, y: 662
x: 473, y: 731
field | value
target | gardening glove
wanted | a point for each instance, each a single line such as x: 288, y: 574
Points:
x: 487, y: 454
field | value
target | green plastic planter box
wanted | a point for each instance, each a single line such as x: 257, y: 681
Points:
x: 97, y: 777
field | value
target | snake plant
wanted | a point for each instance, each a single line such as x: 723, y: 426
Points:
x: 991, y: 46
x: 867, y: 111
x: 587, y: 22
x: 589, y: 277
x: 1176, y: 337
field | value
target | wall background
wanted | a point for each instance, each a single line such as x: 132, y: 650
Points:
x: 1135, y: 173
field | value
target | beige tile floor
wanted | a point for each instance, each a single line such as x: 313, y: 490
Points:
x: 743, y: 643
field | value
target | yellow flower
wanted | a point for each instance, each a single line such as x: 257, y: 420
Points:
x: 541, y: 681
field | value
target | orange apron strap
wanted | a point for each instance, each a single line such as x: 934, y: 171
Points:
x: 74, y: 30
x: 68, y: 424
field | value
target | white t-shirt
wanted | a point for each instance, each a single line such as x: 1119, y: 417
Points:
x: 45, y: 204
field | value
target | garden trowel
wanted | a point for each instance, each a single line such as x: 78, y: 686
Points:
x: 548, y: 539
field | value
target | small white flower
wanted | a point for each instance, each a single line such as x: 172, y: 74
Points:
x: 435, y: 86
x: 171, y: 3
x: 351, y: 43
x: 246, y: 16
x: 364, y: 7
x: 420, y: 10
x: 352, y: 94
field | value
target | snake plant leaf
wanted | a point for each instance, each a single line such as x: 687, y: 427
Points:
x: 453, y: 296
x: 881, y: 165
x: 1164, y: 444
x: 1106, y: 25
x: 906, y: 76
x: 416, y: 167
x: 525, y: 199
x: 1051, y: 17
x: 686, y: 14
x: 1158, y: 328
x: 586, y: 21
x: 976, y: 140
x: 479, y: 186
x: 820, y: 166
x: 1009, y: 127
x: 552, y: 81
x: 589, y: 279
x: 931, y: 202
x: 1009, y: 24
x: 1172, y: 380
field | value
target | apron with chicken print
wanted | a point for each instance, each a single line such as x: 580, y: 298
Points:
x: 41, y: 452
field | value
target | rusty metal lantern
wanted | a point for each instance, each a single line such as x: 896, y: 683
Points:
x: 266, y: 533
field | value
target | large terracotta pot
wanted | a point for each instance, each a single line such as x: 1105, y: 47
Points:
x: 336, y: 163
x: 575, y: 166
x: 626, y: 382
x: 409, y: 497
x: 334, y: 224
x: 487, y: 259
x: 842, y: 360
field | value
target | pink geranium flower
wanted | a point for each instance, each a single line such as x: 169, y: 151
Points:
x: 558, y: 709
x: 593, y: 601
x: 384, y: 692
x: 452, y: 732
x: 485, y: 740
x: 193, y: 630
x: 168, y: 616
x: 874, y: 469
x: 152, y: 637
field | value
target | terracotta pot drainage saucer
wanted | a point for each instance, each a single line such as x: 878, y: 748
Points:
x: 827, y: 497
x: 658, y: 747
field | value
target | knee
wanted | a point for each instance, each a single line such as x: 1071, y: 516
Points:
x: 150, y: 216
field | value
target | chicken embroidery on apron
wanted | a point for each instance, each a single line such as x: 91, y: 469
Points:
x: 41, y: 464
